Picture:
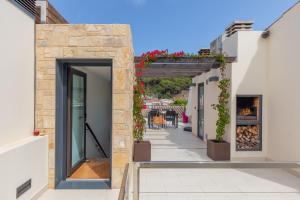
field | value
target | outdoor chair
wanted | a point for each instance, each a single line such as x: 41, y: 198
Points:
x: 151, y: 115
x: 158, y: 121
x: 171, y: 117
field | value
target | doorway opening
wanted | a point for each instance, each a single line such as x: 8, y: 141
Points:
x: 84, y: 125
x: 200, y: 120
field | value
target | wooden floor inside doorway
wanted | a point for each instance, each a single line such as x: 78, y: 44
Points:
x: 93, y: 169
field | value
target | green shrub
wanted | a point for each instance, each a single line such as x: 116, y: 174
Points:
x: 180, y: 102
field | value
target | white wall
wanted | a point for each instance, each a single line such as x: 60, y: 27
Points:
x: 194, y: 108
x: 267, y: 67
x: 21, y: 161
x: 22, y: 156
x: 17, y: 73
x: 248, y: 77
x: 283, y: 87
x: 211, y: 93
x: 98, y: 107
x: 230, y: 46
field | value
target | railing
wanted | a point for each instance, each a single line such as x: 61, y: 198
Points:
x: 98, y: 145
x: 132, y: 186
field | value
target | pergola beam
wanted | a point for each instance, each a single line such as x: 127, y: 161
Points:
x: 183, y: 67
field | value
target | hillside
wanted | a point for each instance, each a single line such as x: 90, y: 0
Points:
x: 166, y: 88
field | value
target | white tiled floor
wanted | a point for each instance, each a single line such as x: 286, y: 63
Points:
x: 207, y: 184
x: 228, y: 184
x: 194, y: 184
x: 80, y: 195
x: 175, y: 145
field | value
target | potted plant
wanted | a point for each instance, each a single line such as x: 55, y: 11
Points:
x: 218, y: 149
x: 141, y: 148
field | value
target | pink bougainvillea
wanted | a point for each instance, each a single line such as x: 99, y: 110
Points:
x: 139, y: 88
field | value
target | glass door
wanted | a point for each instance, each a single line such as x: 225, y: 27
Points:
x: 76, y: 120
x: 201, y: 111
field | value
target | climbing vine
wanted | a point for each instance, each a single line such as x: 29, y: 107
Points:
x: 223, y: 99
x: 139, y: 88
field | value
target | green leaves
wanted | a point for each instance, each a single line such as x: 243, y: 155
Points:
x: 166, y: 87
x: 180, y: 102
x: 223, y: 99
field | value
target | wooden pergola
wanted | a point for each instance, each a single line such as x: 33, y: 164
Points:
x: 166, y: 67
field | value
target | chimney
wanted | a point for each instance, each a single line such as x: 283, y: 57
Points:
x: 241, y: 25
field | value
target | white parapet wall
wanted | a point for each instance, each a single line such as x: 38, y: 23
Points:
x: 24, y: 160
x: 17, y: 73
x: 22, y: 156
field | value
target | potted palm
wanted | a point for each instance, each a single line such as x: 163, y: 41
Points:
x: 218, y: 149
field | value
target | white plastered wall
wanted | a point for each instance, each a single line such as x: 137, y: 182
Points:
x: 211, y: 93
x: 210, y: 97
x: 24, y: 160
x: 283, y: 87
x: 248, y: 77
x: 17, y: 69
x: 267, y: 67
x: 22, y: 156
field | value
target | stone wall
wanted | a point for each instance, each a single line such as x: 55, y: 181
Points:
x: 87, y: 41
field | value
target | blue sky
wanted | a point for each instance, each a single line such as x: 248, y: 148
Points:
x: 175, y: 25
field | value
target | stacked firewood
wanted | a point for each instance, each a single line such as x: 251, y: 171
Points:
x: 247, y: 137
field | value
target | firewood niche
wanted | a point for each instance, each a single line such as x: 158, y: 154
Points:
x: 249, y: 123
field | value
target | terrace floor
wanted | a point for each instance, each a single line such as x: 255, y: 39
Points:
x: 194, y: 184
x: 175, y: 145
x: 208, y: 184
x: 218, y: 184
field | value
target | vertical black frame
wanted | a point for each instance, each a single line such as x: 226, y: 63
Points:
x: 71, y: 72
x: 198, y: 111
x: 61, y: 181
x: 258, y: 122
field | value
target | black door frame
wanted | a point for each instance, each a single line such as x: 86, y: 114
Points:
x: 61, y: 125
x: 198, y: 112
x: 71, y: 72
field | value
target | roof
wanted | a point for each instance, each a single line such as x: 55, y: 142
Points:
x: 47, y: 14
x: 28, y: 5
x: 166, y: 67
